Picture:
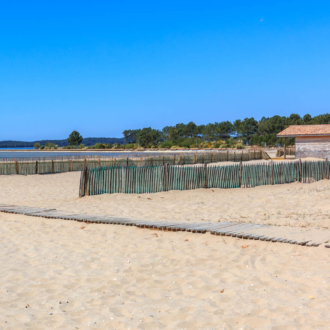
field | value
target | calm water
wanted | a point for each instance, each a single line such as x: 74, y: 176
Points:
x: 31, y: 154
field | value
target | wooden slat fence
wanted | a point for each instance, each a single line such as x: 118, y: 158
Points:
x: 76, y: 163
x: 152, y: 179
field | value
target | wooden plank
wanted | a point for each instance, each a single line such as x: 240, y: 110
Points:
x: 23, y: 210
x: 241, y: 230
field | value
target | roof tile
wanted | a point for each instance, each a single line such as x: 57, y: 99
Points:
x: 302, y: 130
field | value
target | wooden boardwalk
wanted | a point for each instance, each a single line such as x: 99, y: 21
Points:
x: 291, y: 235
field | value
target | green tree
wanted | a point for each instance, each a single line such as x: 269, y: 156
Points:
x: 36, y: 145
x: 321, y: 119
x: 49, y: 145
x: 165, y: 131
x: 189, y: 129
x: 173, y: 134
x: 209, y: 132
x: 294, y: 119
x: 148, y: 136
x: 223, y: 130
x: 131, y: 135
x: 237, y: 126
x: 272, y: 125
x: 74, y: 138
x: 199, y: 131
x: 307, y: 119
x: 247, y: 128
x: 181, y: 128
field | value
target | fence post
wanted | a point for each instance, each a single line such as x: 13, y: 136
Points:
x: 166, y: 177
x: 17, y: 170
x: 240, y: 173
x: 327, y: 168
x: 300, y: 176
x: 127, y: 161
x: 86, y: 181
x: 163, y: 161
x: 53, y: 168
x: 36, y: 167
x: 206, y: 178
x: 284, y: 150
x: 99, y: 162
x: 152, y: 161
x: 70, y: 165
x: 203, y: 158
x: 123, y: 178
x: 272, y: 172
x: 227, y: 155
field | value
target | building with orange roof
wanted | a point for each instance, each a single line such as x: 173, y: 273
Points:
x: 311, y: 140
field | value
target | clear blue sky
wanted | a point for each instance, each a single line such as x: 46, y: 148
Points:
x: 104, y: 66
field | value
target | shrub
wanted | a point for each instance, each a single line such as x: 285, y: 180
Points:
x: 36, y: 146
x: 216, y: 145
x: 42, y: 147
x: 166, y: 144
x: 99, y: 145
x: 81, y: 146
x: 69, y: 147
x: 117, y: 145
x: 49, y: 145
x: 240, y: 146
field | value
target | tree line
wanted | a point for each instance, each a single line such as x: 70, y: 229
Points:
x: 247, y: 131
x: 224, y: 134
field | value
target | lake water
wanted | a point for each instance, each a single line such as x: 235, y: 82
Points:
x: 31, y: 154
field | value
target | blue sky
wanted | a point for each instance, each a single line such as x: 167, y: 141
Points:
x: 101, y: 67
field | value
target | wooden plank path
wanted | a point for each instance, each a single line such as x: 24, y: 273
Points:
x: 292, y: 235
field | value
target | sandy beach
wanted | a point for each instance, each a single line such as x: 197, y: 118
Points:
x: 69, y: 275
x: 294, y: 204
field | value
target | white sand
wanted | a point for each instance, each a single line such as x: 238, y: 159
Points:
x: 117, y: 277
x: 295, y: 204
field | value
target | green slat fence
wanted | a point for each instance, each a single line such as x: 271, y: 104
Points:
x: 152, y: 179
